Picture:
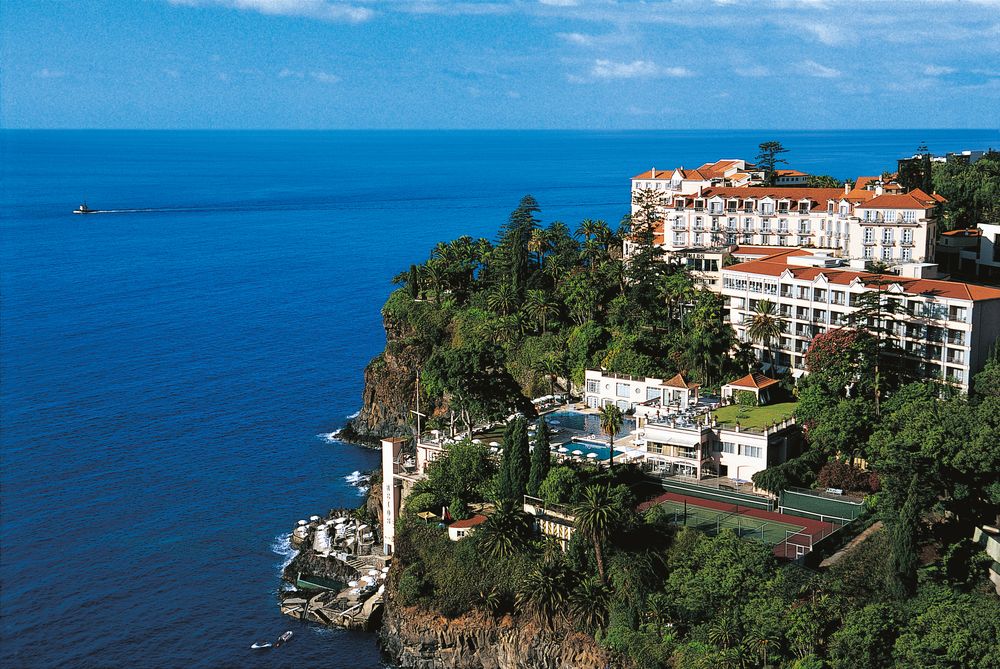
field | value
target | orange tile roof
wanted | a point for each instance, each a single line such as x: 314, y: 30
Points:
x: 965, y: 232
x: 915, y: 199
x: 790, y: 173
x: 469, y: 522
x: 775, y: 266
x: 764, y: 251
x: 754, y: 380
x: 706, y: 172
x: 678, y: 381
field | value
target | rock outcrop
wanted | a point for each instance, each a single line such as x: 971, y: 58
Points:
x: 390, y: 384
x: 416, y: 639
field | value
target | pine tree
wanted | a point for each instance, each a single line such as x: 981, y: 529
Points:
x: 520, y: 460
x: 413, y: 283
x: 903, y: 534
x: 541, y: 459
x: 515, y: 464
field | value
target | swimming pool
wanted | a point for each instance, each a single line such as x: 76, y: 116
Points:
x: 587, y: 423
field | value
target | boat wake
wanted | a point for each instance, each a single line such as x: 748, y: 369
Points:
x: 360, y: 481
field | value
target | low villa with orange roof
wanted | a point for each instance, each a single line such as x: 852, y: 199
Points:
x: 754, y: 382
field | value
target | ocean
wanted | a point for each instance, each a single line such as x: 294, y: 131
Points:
x: 171, y: 377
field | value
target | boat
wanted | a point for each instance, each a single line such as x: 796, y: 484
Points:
x: 84, y: 209
x: 261, y: 645
x: 283, y: 639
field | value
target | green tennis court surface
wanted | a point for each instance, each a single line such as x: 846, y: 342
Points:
x: 713, y: 521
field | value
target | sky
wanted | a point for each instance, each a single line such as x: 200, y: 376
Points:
x: 425, y: 64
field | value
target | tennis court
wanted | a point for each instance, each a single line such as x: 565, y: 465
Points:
x: 791, y: 536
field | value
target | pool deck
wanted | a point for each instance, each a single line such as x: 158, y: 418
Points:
x: 561, y: 435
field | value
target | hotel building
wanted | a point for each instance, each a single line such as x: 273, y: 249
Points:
x: 944, y: 329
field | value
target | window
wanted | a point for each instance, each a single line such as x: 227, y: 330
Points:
x: 887, y: 253
x: 868, y: 253
x: 731, y: 223
x: 906, y: 255
x: 907, y: 236
x: 728, y: 447
x: 887, y: 236
x: 767, y: 208
x: 622, y: 389
x: 593, y: 386
x: 753, y: 451
x: 956, y: 314
x: 909, y: 216
x: 869, y: 237
x: 890, y: 215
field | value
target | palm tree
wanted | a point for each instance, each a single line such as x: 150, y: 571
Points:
x: 551, y: 366
x: 765, y: 326
x: 502, y: 299
x: 762, y: 642
x: 589, y: 603
x: 611, y: 421
x: 545, y: 591
x: 723, y: 632
x: 588, y: 228
x: 595, y: 518
x: 434, y: 276
x: 592, y: 253
x: 506, y: 531
x: 538, y: 244
x: 540, y: 307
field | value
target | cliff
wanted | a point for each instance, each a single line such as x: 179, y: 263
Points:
x: 417, y: 639
x: 390, y: 383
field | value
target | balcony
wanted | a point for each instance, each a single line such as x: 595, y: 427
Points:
x: 679, y: 226
x: 907, y: 243
x: 869, y: 242
x: 956, y: 359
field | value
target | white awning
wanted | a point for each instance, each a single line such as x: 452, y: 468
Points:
x: 672, y: 437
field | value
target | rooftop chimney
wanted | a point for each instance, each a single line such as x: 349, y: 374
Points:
x: 878, y: 188
x: 847, y: 187
x: 652, y: 173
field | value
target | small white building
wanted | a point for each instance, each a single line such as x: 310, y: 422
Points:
x: 696, y: 450
x: 463, y: 528
x: 628, y: 392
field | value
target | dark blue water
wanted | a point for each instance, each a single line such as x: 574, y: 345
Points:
x: 164, y: 375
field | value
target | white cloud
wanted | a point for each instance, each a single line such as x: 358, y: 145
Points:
x: 46, y: 73
x: 325, y: 10
x: 938, y: 70
x: 576, y: 38
x: 286, y: 73
x: 814, y: 69
x: 324, y: 77
x: 637, y: 69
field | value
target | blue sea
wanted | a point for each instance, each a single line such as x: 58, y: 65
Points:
x: 171, y: 377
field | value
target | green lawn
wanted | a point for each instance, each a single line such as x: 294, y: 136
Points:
x: 756, y: 417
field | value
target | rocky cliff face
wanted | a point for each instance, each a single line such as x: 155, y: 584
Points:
x: 415, y: 639
x: 390, y: 381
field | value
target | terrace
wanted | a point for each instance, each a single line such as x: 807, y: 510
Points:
x: 755, y: 418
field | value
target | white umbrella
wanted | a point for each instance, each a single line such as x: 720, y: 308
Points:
x: 385, y: 570
x: 373, y: 572
x: 494, y: 443
x: 591, y: 455
x: 352, y: 584
x: 563, y: 449
x: 477, y: 441
x: 577, y: 452
x: 302, y: 522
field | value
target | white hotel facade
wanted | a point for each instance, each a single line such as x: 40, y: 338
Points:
x: 945, y: 328
x: 859, y: 223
